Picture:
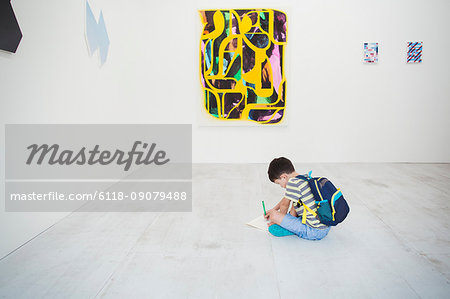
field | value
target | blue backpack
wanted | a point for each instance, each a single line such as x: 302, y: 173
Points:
x: 332, y: 208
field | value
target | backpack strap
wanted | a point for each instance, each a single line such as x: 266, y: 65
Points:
x: 306, y: 178
x: 305, y: 208
x: 302, y: 177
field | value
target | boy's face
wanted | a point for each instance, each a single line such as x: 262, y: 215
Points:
x: 282, y: 180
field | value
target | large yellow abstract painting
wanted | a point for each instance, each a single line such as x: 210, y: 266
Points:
x: 242, y: 64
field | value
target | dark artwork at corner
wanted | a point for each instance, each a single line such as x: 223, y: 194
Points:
x: 10, y: 34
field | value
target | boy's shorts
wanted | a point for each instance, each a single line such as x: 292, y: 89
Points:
x: 295, y: 225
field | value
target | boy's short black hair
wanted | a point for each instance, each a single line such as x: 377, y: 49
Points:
x: 278, y: 166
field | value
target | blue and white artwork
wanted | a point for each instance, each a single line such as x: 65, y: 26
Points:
x: 96, y: 34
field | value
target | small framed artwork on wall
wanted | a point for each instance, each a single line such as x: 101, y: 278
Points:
x: 370, y: 52
x: 414, y: 54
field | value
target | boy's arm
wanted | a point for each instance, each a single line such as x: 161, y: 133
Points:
x: 283, y: 205
x: 276, y: 217
x: 293, y: 211
x: 277, y: 207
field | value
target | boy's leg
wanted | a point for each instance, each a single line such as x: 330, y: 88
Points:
x: 295, y: 225
x: 278, y: 231
x: 275, y: 229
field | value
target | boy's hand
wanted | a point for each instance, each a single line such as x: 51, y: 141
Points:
x: 267, y: 217
x: 267, y: 213
x: 274, y: 217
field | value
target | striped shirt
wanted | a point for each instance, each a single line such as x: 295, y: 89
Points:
x: 298, y: 189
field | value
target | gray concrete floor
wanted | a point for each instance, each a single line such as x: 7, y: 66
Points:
x: 394, y: 244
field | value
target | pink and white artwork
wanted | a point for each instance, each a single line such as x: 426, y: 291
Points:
x: 370, y: 52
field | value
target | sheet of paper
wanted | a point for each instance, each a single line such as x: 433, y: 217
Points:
x: 259, y: 222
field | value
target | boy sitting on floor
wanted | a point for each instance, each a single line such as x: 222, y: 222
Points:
x: 282, y: 172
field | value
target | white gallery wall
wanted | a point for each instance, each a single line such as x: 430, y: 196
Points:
x: 338, y: 109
